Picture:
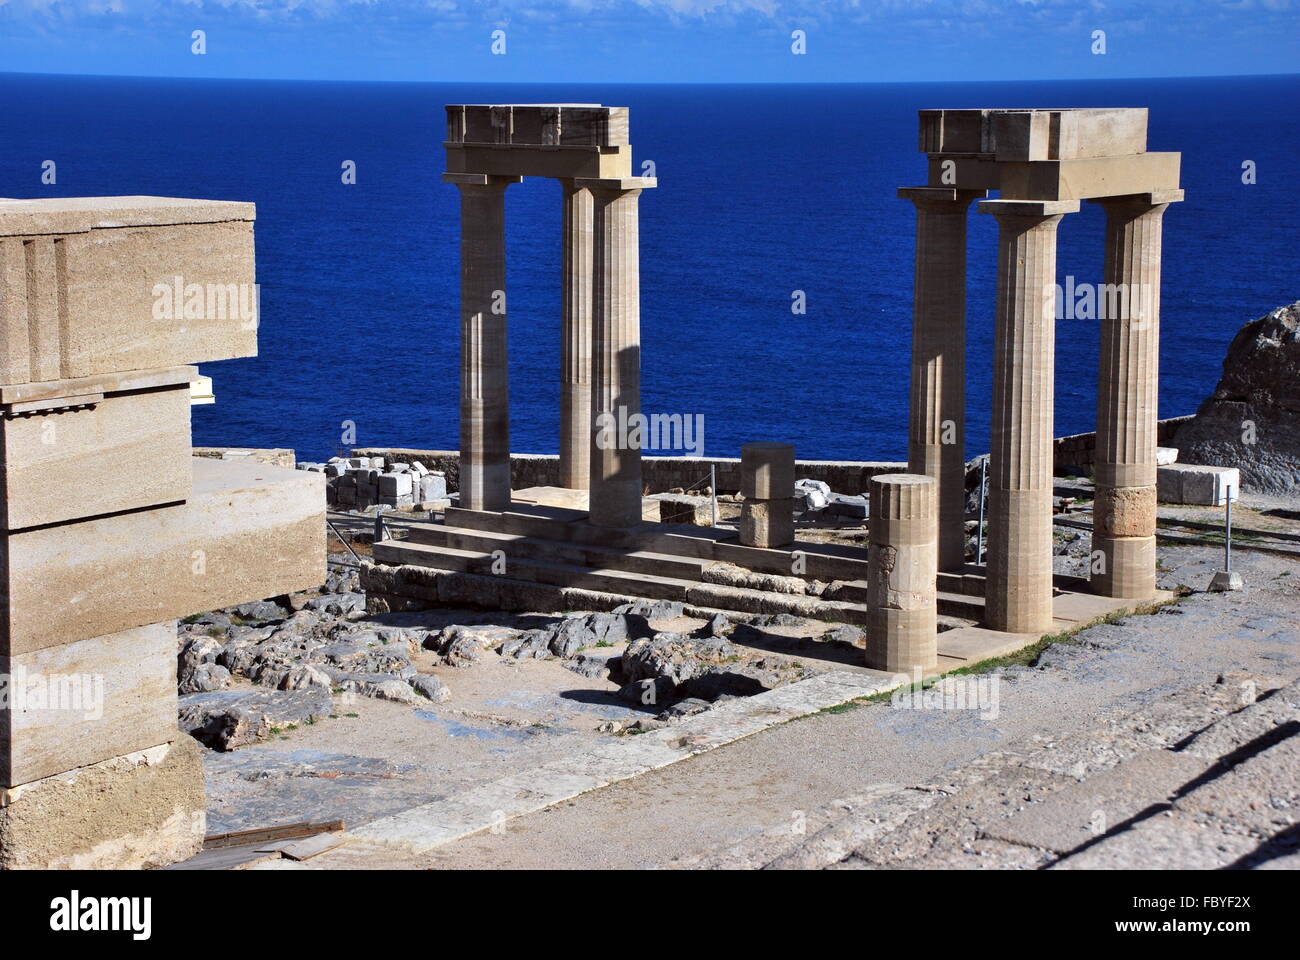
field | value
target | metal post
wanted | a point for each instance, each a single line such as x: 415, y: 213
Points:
x: 379, y: 527
x: 1227, y: 531
x: 979, y: 530
x: 713, y: 496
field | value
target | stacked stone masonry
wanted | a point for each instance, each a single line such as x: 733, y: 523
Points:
x: 767, y: 485
x: 110, y: 530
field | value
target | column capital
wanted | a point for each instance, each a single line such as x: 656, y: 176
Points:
x: 1028, y: 208
x: 1155, y: 198
x: 479, y: 179
x: 615, y: 184
x: 941, y: 197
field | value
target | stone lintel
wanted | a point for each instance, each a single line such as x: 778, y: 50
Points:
x: 479, y: 179
x: 562, y: 162
x: 1079, y: 179
x: 1028, y: 208
x: 1152, y: 198
x: 952, y: 194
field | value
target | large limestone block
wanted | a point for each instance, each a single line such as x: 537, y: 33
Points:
x: 1031, y: 135
x: 1193, y: 483
x: 74, y: 704
x: 109, y: 284
x: 249, y: 531
x: 145, y: 809
x: 91, y: 451
x: 538, y: 124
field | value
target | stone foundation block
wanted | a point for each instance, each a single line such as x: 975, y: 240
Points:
x: 71, y: 705
x: 250, y: 530
x: 90, y: 452
x: 142, y: 810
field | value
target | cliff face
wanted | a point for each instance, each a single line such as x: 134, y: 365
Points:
x: 1252, y: 420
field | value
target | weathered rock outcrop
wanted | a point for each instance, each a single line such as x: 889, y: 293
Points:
x: 1252, y: 420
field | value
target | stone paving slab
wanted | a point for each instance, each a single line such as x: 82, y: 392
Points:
x: 1254, y: 721
x: 1260, y: 795
x: 1084, y: 811
x: 1164, y: 842
x: 429, y: 825
x: 974, y: 644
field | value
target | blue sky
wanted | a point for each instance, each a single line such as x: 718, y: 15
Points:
x: 651, y: 40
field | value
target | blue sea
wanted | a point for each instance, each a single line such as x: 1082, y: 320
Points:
x: 763, y: 190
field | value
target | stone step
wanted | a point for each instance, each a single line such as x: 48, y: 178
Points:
x: 630, y: 583
x: 537, y: 548
x: 970, y: 580
x: 817, y: 561
x: 954, y: 605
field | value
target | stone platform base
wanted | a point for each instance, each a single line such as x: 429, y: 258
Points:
x: 538, y: 557
x: 142, y: 810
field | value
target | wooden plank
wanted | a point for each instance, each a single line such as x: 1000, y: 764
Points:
x: 263, y: 835
x: 313, y: 846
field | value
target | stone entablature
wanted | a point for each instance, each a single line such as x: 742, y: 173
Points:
x: 1079, y: 154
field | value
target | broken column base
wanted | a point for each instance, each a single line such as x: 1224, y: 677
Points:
x: 767, y: 523
x: 142, y: 810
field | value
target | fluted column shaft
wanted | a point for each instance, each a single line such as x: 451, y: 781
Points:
x: 937, y: 418
x: 484, y: 375
x: 575, y: 337
x: 1018, y: 595
x: 1124, y: 511
x: 615, y: 484
x: 902, y: 570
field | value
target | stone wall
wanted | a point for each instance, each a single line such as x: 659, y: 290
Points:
x: 660, y: 474
x: 276, y: 456
x: 1079, y: 450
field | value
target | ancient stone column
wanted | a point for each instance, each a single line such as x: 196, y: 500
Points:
x: 615, y: 485
x: 1018, y: 596
x: 903, y: 567
x: 937, y: 421
x: 484, y: 377
x: 575, y: 338
x: 1124, y: 512
x: 767, y: 484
